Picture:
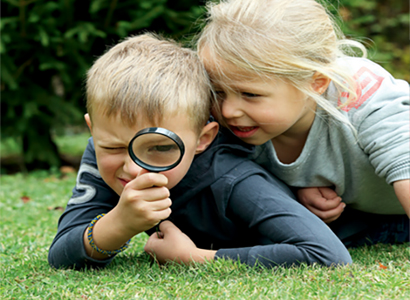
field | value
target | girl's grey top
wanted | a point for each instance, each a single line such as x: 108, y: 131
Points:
x: 357, y: 166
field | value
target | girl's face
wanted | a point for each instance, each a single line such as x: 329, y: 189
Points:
x: 260, y: 109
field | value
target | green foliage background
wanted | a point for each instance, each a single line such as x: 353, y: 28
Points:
x: 46, y: 47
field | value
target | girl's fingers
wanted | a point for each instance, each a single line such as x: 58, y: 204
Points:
x: 327, y: 205
x: 329, y: 216
x: 327, y: 192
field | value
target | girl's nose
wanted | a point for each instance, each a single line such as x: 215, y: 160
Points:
x: 231, y: 107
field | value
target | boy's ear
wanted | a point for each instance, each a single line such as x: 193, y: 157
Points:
x: 320, y: 83
x: 88, y: 121
x: 207, y: 136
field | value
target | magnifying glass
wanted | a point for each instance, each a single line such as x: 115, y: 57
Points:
x: 156, y: 149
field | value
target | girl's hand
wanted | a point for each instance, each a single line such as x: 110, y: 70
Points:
x: 174, y: 245
x: 322, y: 201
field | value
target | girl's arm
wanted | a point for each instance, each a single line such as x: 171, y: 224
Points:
x: 381, y: 117
x: 402, y: 189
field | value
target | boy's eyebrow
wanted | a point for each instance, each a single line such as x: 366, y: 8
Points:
x: 111, y: 143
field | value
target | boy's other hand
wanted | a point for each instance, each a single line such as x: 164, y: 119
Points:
x: 322, y: 201
x: 144, y: 202
x: 174, y: 245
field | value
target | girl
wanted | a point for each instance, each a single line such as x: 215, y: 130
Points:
x: 334, y: 126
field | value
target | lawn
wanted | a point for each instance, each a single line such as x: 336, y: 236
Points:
x: 31, y: 204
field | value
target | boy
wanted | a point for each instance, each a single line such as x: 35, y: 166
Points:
x: 222, y: 206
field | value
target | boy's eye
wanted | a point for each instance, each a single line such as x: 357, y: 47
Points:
x: 113, y: 148
x: 163, y: 148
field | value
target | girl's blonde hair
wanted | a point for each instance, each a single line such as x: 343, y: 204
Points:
x: 148, y: 76
x: 286, y: 39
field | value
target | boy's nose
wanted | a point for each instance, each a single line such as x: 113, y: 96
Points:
x: 231, y: 108
x: 131, y: 168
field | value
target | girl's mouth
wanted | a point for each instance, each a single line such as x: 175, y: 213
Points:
x: 244, y: 131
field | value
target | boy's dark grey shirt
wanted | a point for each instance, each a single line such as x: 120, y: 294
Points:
x: 225, y: 202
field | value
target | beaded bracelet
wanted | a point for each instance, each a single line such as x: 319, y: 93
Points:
x: 94, y: 246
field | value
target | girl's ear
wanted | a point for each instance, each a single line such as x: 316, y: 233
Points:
x: 88, y: 121
x: 207, y: 136
x: 320, y: 83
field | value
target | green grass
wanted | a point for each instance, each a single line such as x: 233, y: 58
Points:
x: 27, y: 229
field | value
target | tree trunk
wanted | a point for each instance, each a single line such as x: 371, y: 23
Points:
x: 39, y: 149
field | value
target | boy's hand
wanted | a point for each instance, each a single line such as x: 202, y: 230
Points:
x: 174, y: 245
x: 144, y: 202
x: 322, y: 201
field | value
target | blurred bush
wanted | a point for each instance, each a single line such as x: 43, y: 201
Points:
x: 383, y: 26
x: 46, y: 47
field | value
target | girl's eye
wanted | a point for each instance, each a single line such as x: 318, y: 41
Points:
x: 249, y: 95
x: 220, y: 95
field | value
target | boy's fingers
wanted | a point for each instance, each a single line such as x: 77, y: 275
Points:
x: 168, y: 227
x: 148, y: 180
x: 153, y: 194
x: 158, y: 206
x: 151, y: 242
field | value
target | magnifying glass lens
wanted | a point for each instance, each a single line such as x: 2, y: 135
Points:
x: 156, y: 150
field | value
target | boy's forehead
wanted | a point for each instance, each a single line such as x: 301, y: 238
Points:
x: 142, y: 121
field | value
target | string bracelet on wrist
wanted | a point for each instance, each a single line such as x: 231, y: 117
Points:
x: 94, y: 246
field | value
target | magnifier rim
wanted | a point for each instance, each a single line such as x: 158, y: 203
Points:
x: 162, y: 131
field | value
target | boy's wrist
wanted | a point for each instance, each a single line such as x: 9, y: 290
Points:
x: 93, y: 245
x: 202, y: 255
x: 107, y: 236
x: 110, y: 234
x: 124, y: 227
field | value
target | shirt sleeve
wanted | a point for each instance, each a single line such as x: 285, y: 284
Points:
x: 381, y: 117
x: 91, y: 197
x: 290, y: 234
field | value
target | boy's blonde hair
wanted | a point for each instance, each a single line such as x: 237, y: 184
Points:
x: 286, y: 39
x: 147, y: 76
